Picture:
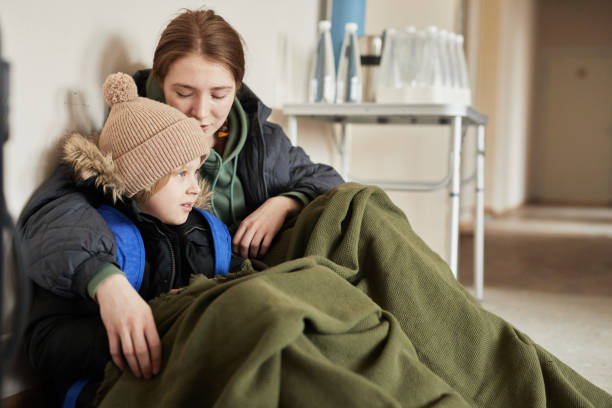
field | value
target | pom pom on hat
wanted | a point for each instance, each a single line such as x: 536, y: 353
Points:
x: 119, y: 88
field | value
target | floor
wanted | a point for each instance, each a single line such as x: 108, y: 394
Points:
x: 548, y: 271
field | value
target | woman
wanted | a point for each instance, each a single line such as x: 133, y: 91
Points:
x: 258, y: 177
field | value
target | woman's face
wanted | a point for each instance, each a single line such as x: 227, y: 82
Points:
x: 201, y: 89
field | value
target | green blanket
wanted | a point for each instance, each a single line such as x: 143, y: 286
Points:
x: 354, y: 310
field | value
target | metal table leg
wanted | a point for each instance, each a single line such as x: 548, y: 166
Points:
x: 292, y: 130
x: 479, y: 221
x: 345, y: 151
x: 454, y: 195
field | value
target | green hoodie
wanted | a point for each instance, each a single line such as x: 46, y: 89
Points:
x: 228, y: 202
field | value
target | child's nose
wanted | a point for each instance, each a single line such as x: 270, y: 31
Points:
x: 194, y: 188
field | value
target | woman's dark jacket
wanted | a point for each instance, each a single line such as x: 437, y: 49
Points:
x: 61, y: 230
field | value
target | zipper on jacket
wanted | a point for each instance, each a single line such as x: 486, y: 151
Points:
x: 263, y: 157
x: 173, y: 260
x: 194, y: 228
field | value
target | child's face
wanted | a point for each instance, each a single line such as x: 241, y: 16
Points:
x: 173, y: 203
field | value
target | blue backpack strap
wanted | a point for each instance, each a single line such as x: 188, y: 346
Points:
x: 130, y: 247
x: 73, y: 393
x: 222, y: 242
x: 131, y: 260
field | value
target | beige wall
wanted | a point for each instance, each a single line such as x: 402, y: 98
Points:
x: 504, y: 92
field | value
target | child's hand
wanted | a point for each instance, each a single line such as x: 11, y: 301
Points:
x: 176, y: 291
x: 130, y: 327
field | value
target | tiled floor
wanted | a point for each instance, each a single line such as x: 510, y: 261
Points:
x: 548, y: 271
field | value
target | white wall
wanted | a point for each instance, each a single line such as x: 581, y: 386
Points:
x: 514, y: 107
x: 504, y: 91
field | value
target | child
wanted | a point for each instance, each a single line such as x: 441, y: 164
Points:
x: 144, y: 172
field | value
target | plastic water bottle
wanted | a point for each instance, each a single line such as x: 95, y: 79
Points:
x: 348, y: 81
x: 465, y: 81
x: 322, y: 83
x: 389, y: 72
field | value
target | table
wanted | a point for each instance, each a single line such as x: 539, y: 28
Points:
x: 457, y: 116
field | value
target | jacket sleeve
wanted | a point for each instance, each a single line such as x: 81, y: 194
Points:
x: 63, y: 239
x: 306, y: 177
x: 65, y: 339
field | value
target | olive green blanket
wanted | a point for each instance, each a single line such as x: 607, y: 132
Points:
x: 354, y: 310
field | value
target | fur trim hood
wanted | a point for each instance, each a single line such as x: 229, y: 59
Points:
x: 89, y: 163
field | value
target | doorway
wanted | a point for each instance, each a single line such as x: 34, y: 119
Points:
x: 573, y: 128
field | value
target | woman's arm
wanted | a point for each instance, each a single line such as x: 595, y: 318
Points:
x: 286, y: 169
x: 65, y: 239
x: 258, y: 229
x: 130, y: 327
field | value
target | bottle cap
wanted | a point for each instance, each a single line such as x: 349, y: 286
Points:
x: 324, y: 25
x: 351, y: 27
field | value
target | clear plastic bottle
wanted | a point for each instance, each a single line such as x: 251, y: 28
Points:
x: 389, y: 72
x: 322, y: 79
x: 445, y: 59
x: 432, y: 58
x: 408, y: 56
x: 349, y: 81
x: 453, y: 60
x: 460, y: 56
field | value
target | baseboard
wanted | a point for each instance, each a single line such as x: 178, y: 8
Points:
x: 467, y: 227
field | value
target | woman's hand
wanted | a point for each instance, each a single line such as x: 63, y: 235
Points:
x: 256, y: 232
x: 130, y: 327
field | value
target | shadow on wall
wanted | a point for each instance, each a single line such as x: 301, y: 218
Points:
x: 115, y: 57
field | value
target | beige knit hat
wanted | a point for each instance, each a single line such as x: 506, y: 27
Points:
x: 147, y: 139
